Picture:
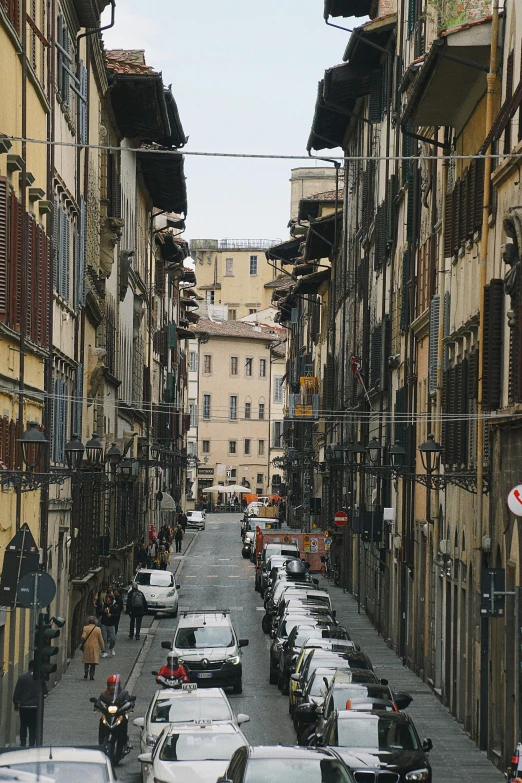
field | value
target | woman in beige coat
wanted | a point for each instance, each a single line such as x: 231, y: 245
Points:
x: 92, y: 640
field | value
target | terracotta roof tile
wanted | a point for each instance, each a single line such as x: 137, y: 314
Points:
x: 128, y: 61
x: 238, y: 329
x: 282, y: 281
x: 326, y: 195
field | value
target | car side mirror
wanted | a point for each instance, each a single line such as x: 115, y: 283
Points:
x: 145, y: 758
x: 139, y: 722
x: 166, y: 645
x: 383, y: 681
x: 427, y: 745
x: 242, y: 718
x: 243, y: 643
x: 402, y: 700
x: 93, y: 700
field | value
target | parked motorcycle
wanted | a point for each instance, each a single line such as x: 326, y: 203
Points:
x: 168, y: 682
x: 113, y: 727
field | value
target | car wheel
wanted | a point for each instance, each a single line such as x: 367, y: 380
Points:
x: 265, y: 624
x: 238, y: 687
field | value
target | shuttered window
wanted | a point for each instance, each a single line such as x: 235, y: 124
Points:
x: 60, y: 418
x: 401, y: 426
x: 509, y: 94
x: 64, y: 61
x: 405, y: 292
x: 515, y: 346
x: 376, y: 95
x: 463, y: 208
x: 380, y: 236
x: 413, y: 11
x: 83, y: 129
x: 4, y: 246
x: 12, y: 10
x: 113, y: 187
x: 376, y: 357
x: 433, y: 343
x: 492, y: 354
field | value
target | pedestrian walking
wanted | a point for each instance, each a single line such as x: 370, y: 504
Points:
x: 91, y: 645
x: 183, y: 520
x: 141, y: 557
x: 25, y: 700
x: 136, y: 608
x: 152, y: 554
x: 118, y: 599
x: 179, y: 535
x: 108, y: 622
x: 163, y: 558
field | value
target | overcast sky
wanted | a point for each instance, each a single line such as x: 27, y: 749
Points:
x: 244, y: 75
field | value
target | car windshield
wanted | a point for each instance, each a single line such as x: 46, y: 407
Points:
x: 65, y: 771
x: 376, y: 733
x: 356, y: 692
x: 156, y: 579
x: 295, y: 770
x: 318, y: 686
x: 183, y: 710
x: 200, y: 746
x: 303, y: 635
x: 203, y: 636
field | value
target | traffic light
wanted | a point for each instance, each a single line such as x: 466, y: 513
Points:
x: 43, y: 650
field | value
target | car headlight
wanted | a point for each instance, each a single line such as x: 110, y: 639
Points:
x: 171, y: 594
x: 418, y: 774
x: 150, y: 739
x: 235, y: 659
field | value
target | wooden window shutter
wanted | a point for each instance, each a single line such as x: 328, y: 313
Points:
x: 470, y: 217
x: 376, y: 357
x: 412, y: 206
x: 449, y: 207
x: 84, y: 83
x: 4, y: 246
x: 457, y: 234
x: 492, y: 353
x: 465, y: 208
x: 412, y: 16
x: 160, y: 277
x: 433, y: 343
x: 67, y: 255
x: 478, y: 200
x: 445, y: 428
x: 386, y: 352
x: 401, y: 427
x: 376, y: 105
x: 405, y: 292
x: 15, y: 263
x: 452, y: 404
x: 380, y: 237
x: 329, y: 385
x: 406, y: 152
x: 391, y: 211
x: 509, y: 93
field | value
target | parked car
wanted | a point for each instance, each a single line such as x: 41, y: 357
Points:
x: 333, y: 637
x: 60, y: 764
x: 285, y: 627
x: 160, y: 590
x: 273, y: 763
x: 196, y: 519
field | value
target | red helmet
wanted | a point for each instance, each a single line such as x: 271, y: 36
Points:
x: 113, y: 679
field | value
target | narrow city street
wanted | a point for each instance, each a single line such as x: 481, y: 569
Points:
x: 213, y: 575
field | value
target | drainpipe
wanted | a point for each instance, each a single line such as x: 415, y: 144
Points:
x: 491, y: 83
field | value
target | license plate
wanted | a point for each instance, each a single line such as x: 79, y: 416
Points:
x: 204, y: 675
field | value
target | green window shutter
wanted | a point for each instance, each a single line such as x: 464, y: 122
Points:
x: 172, y: 335
x: 376, y: 357
x: 171, y: 388
x: 412, y: 16
x: 376, y: 92
x: 410, y: 218
x: 405, y: 310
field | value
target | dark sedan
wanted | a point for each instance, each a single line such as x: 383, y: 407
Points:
x: 309, y: 636
x: 379, y: 741
x: 267, y: 764
x: 286, y: 626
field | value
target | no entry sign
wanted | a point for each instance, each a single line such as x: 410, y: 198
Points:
x: 514, y: 500
x: 341, y: 518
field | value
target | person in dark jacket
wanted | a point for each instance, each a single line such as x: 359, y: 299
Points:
x: 136, y: 608
x: 179, y: 535
x: 24, y: 699
x: 183, y: 520
x: 108, y: 623
x: 141, y: 557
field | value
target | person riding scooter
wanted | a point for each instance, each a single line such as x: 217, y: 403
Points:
x: 116, y: 694
x: 173, y: 670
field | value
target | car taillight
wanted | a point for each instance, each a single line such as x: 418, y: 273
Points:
x: 349, y: 704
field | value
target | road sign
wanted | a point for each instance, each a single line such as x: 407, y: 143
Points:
x: 341, y: 518
x: 514, y: 500
x: 21, y: 557
x: 44, y: 591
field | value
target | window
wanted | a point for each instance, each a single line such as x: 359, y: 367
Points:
x: 277, y: 434
x: 193, y: 413
x: 192, y: 448
x: 61, y: 390
x: 209, y: 296
x: 205, y: 446
x: 233, y: 407
x: 252, y: 310
x: 278, y: 388
x: 262, y: 368
x: 232, y: 315
x: 247, y: 446
x: 63, y: 61
x: 261, y: 448
x: 260, y: 478
x: 207, y: 364
x: 248, y: 410
x: 229, y: 267
x: 232, y: 446
x: 253, y: 265
x: 206, y: 406
x: 248, y: 367
x: 234, y: 362
x: 62, y: 234
x: 233, y: 473
x: 193, y: 361
x: 261, y: 410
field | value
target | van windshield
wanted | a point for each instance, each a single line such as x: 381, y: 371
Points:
x: 156, y: 579
x: 203, y: 636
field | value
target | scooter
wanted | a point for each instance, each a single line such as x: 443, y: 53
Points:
x: 113, y: 727
x: 168, y: 682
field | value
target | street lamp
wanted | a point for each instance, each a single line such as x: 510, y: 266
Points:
x: 94, y: 449
x: 374, y: 450
x: 430, y: 454
x: 337, y: 452
x: 354, y: 452
x: 114, y: 457
x: 73, y: 451
x: 32, y: 444
x: 397, y: 455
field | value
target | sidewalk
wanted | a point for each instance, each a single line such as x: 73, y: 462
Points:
x: 68, y: 717
x: 454, y: 756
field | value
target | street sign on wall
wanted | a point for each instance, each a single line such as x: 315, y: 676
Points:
x: 341, y: 518
x: 514, y: 500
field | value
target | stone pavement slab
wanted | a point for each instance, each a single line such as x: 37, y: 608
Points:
x: 455, y: 758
